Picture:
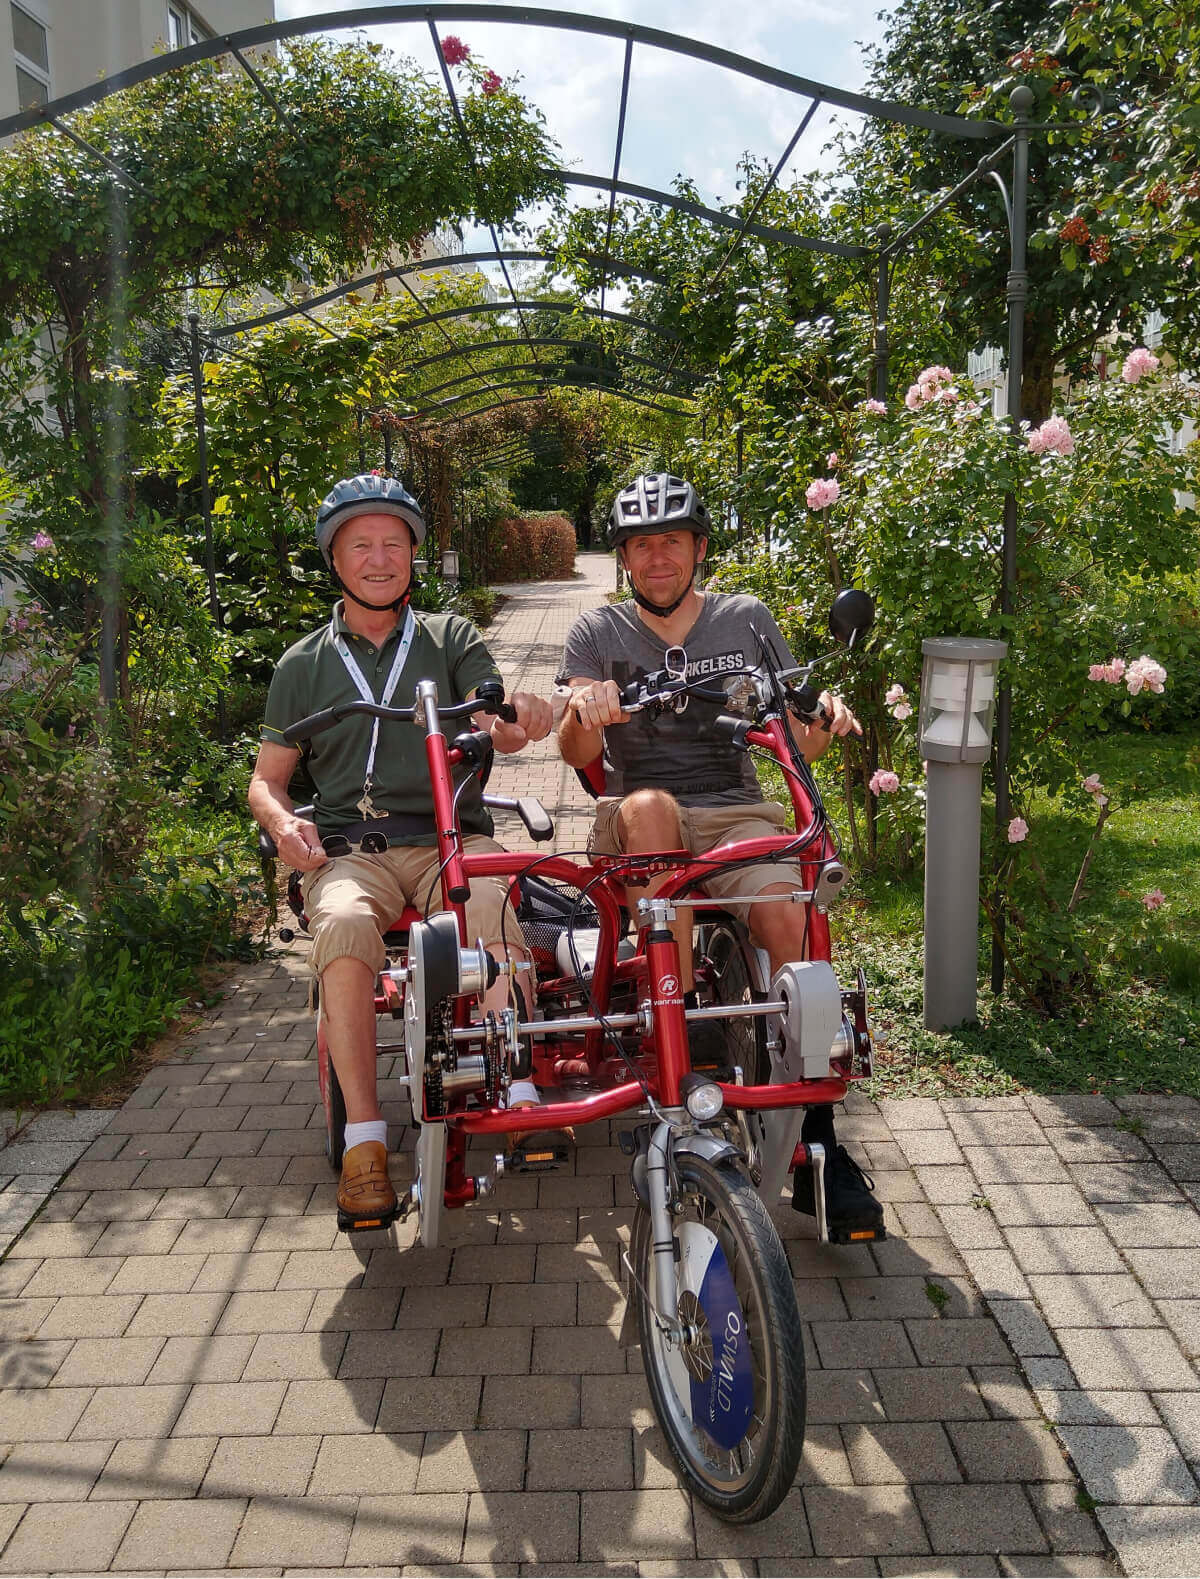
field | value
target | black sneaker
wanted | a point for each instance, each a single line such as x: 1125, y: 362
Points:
x: 852, y: 1213
x: 709, y: 1050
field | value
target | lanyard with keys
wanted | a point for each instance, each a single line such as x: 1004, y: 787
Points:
x: 365, y: 805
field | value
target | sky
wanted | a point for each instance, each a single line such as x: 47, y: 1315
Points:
x: 684, y: 116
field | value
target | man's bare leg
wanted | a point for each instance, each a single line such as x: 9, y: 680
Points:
x: 348, y: 1009
x: 648, y: 821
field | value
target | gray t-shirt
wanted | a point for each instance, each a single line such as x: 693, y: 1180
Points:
x: 679, y: 752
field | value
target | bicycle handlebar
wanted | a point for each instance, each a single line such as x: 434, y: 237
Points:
x: 318, y: 723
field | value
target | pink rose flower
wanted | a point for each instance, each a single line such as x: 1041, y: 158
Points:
x: 914, y: 397
x: 822, y: 492
x: 1092, y: 784
x: 894, y: 694
x: 875, y: 408
x: 1113, y: 670
x: 1018, y: 830
x: 1095, y: 671
x: 1144, y: 672
x: 42, y: 543
x: 831, y: 460
x: 931, y: 377
x: 1053, y: 437
x: 1153, y: 899
x: 883, y: 782
x: 1137, y: 364
x: 902, y: 710
x: 454, y: 51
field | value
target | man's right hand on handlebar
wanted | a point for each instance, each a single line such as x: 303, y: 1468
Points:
x: 598, y: 704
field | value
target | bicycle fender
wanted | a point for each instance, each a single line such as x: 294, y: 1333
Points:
x: 712, y: 1149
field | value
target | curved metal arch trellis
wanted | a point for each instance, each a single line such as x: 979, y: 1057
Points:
x: 1015, y: 139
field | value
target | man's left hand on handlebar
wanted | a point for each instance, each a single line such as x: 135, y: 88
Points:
x: 533, y: 722
x: 814, y: 739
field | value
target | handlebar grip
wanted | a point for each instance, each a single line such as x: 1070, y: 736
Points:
x: 314, y: 724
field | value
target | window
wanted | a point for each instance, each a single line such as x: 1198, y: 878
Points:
x: 183, y: 28
x: 31, y: 43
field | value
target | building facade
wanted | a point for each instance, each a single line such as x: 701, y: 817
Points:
x: 52, y: 47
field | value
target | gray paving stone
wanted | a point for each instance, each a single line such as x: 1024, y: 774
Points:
x: 160, y: 1531
x: 912, y: 1113
x: 1014, y: 1128
x: 1180, y: 1412
x: 980, y: 1518
x: 308, y: 1532
x: 1099, y: 1145
x: 1154, y: 1542
x: 255, y: 1466
x: 115, y: 1413
x: 1067, y: 1526
x: 732, y: 1547
x: 929, y: 1146
x: 996, y: 1273
x: 38, y: 1414
x: 387, y: 1462
x: 1052, y: 1249
x: 51, y: 1471
x: 1054, y: 1111
x: 1090, y: 1300
x: 1151, y: 1225
x: 859, y: 1520
x: 52, y: 1157
x: 835, y: 1397
x: 100, y: 1362
x: 420, y: 1531
x: 185, y: 1315
x: 1015, y: 1165
x: 595, y: 1460
x: 1137, y: 1357
x: 67, y: 1537
x: 971, y: 1227
x: 1098, y: 1406
x: 900, y: 1453
x: 32, y: 1362
x: 406, y: 1352
x: 1023, y: 1326
x: 1130, y: 1464
x: 935, y: 1392
x: 331, y: 1408
x: 1017, y: 1205
x: 973, y: 1341
x: 204, y: 1359
x: 449, y: 1403
x: 1004, y: 1450
x: 1124, y: 1181
x: 1005, y: 1391
x: 639, y: 1524
x: 1164, y: 1274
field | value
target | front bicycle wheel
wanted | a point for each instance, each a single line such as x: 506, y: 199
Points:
x: 731, y: 1397
x: 723, y: 975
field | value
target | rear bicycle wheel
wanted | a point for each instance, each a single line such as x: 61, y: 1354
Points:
x: 731, y: 1400
x: 724, y: 976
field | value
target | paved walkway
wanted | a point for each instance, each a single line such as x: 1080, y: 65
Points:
x: 200, y: 1374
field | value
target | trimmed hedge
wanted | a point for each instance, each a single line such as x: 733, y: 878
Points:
x: 539, y: 546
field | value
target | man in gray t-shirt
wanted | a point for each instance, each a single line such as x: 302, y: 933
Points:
x: 673, y: 781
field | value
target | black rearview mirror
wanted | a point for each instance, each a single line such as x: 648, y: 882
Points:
x: 852, y: 615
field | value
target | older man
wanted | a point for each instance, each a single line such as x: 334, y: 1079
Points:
x: 373, y: 778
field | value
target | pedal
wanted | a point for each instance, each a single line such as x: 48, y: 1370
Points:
x: 857, y: 1236
x: 351, y: 1223
x: 539, y: 1152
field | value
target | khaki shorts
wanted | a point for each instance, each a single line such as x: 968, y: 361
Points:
x: 703, y: 828
x: 353, y: 900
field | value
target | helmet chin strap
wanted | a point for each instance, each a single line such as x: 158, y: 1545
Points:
x: 661, y: 610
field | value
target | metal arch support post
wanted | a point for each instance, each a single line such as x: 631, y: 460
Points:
x: 883, y: 291
x: 620, y: 139
x: 210, y: 559
x: 1022, y: 100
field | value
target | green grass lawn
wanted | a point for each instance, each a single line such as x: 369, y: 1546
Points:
x: 1142, y: 1029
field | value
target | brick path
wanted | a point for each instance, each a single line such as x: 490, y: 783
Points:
x: 200, y: 1374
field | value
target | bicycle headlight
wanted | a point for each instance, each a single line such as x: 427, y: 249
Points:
x: 702, y: 1098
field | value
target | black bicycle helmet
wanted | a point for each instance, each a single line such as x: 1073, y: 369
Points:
x: 368, y: 494
x: 657, y: 502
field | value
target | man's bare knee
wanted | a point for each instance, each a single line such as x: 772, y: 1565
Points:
x: 649, y: 820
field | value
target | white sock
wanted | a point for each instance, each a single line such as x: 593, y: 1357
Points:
x: 370, y: 1129
x: 523, y: 1091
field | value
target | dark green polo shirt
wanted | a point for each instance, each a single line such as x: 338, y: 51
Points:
x: 310, y: 676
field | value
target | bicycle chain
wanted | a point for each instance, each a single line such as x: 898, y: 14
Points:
x: 439, y: 1055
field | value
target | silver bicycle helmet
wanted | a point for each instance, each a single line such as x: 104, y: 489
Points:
x: 368, y: 494
x: 657, y: 502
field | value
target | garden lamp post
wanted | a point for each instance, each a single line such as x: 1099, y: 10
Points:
x: 450, y: 564
x: 958, y: 698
